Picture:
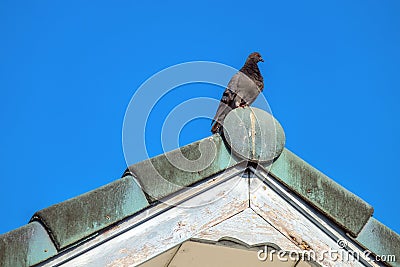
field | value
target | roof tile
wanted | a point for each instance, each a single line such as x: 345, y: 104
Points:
x: 343, y: 207
x: 380, y: 240
x: 168, y: 173
x: 25, y: 246
x: 79, y: 217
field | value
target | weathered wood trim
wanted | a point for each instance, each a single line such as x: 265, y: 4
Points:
x: 299, y: 221
x: 163, y: 226
x: 251, y: 229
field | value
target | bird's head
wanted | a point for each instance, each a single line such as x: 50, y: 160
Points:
x: 255, y: 57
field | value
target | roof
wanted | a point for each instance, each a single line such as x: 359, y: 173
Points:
x: 252, y: 145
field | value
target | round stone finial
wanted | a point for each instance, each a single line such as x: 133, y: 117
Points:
x: 254, y: 134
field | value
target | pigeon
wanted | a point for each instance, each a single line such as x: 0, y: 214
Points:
x: 242, y: 90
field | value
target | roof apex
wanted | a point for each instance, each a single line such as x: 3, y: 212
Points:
x: 169, y: 175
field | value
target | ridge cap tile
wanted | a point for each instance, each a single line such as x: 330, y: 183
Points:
x: 25, y: 246
x: 77, y: 218
x: 339, y: 204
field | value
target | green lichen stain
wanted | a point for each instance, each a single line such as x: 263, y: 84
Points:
x: 345, y: 208
x: 168, y: 173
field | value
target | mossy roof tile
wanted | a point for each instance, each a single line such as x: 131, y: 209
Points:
x: 82, y: 216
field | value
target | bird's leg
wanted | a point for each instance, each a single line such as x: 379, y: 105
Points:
x: 243, y: 104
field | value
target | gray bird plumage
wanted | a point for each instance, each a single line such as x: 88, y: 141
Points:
x: 242, y: 90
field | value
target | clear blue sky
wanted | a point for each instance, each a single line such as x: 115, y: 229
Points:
x: 68, y: 70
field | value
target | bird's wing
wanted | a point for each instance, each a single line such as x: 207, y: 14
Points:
x: 241, y: 90
x: 233, y: 84
x: 227, y: 102
x: 248, y: 90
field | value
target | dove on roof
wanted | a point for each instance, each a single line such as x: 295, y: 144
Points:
x: 242, y: 90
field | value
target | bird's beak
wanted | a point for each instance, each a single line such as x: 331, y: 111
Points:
x: 261, y: 59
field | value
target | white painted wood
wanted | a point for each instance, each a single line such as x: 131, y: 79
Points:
x: 169, y: 228
x: 291, y: 217
x: 251, y: 229
x: 180, y: 198
x: 217, y: 208
x: 162, y: 260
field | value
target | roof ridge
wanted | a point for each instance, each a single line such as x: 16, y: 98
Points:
x: 145, y: 182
